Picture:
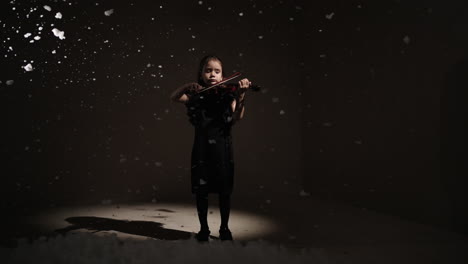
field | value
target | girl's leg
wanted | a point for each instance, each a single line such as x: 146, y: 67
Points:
x: 224, y: 209
x: 202, y: 209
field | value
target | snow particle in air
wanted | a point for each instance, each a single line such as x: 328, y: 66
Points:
x: 27, y: 35
x: 46, y: 7
x: 58, y: 15
x: 358, y: 142
x: 241, y: 14
x: 200, y: 2
x: 37, y: 38
x: 28, y: 67
x: 109, y: 12
x: 330, y: 16
x: 212, y: 141
x: 303, y: 193
x: 406, y: 39
x: 58, y: 33
x: 260, y: 37
x: 282, y: 112
x: 106, y: 202
x: 275, y: 99
x: 53, y: 52
x: 10, y: 82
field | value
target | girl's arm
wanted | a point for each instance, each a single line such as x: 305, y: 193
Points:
x: 238, y: 104
x: 180, y: 94
x: 239, y: 107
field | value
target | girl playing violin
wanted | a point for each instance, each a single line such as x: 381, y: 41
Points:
x: 212, y: 112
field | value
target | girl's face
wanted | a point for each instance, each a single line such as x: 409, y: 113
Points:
x: 212, y: 72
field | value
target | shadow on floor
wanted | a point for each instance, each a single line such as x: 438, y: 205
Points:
x: 140, y: 228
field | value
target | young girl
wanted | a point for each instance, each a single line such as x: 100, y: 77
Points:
x: 212, y: 113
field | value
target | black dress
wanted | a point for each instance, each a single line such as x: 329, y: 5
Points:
x: 212, y: 160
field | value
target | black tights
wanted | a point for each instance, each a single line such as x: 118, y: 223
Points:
x: 202, y: 208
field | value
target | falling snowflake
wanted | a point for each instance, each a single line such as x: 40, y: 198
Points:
x: 275, y: 99
x: 46, y: 7
x: 58, y: 33
x: 330, y: 16
x: 37, y: 38
x: 260, y: 37
x: 28, y: 67
x: 27, y: 35
x: 406, y: 39
x: 109, y: 12
x: 282, y: 112
x: 58, y: 15
x: 304, y: 193
x: 10, y: 82
x: 211, y: 141
x: 202, y: 182
x: 106, y: 202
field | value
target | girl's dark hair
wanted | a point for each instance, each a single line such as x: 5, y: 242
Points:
x: 202, y: 64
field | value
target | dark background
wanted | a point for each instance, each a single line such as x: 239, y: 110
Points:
x: 364, y: 107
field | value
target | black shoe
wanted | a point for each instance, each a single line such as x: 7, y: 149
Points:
x: 225, y: 234
x: 203, y: 235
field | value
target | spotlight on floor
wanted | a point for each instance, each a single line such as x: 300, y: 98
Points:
x: 166, y: 221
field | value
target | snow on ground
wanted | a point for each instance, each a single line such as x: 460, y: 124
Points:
x: 88, y: 248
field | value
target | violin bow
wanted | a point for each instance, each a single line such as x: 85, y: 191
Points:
x: 235, y: 75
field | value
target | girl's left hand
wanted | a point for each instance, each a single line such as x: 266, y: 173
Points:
x: 244, y: 84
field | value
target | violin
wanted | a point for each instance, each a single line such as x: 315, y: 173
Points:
x: 228, y: 87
